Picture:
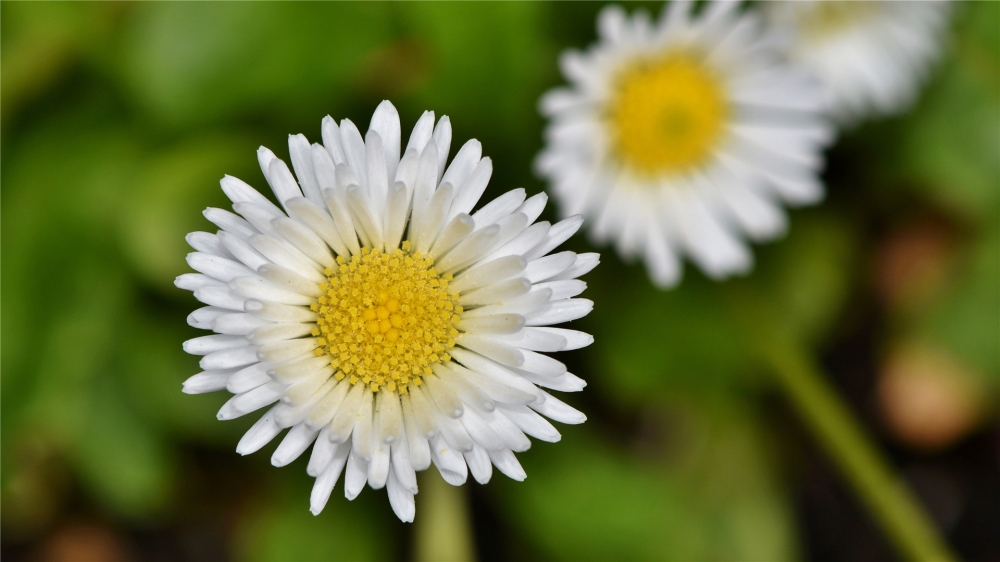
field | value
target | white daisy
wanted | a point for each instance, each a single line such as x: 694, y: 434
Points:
x: 682, y: 136
x: 871, y: 55
x: 383, y: 321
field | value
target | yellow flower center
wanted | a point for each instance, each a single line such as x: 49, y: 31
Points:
x: 385, y: 318
x: 825, y: 19
x: 667, y: 114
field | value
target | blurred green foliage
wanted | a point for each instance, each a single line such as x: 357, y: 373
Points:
x: 118, y: 120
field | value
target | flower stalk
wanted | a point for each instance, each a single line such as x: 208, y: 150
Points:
x: 884, y: 493
x: 444, y: 529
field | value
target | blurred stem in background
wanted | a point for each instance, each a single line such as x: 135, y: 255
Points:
x: 885, y: 494
x: 443, y: 530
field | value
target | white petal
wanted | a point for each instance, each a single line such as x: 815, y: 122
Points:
x: 302, y: 162
x: 207, y: 243
x: 293, y: 445
x: 239, y: 324
x: 324, y: 411
x: 230, y: 223
x: 256, y: 399
x: 560, y: 311
x: 442, y: 142
x: 282, y: 182
x: 559, y: 233
x: 497, y: 292
x: 239, y: 192
x: 258, y: 288
x: 442, y: 396
x: 416, y: 443
x: 344, y: 420
x: 557, y: 410
x: 583, y: 265
x: 385, y: 121
x: 327, y: 480
x: 481, y: 365
x: 205, y: 316
x: 454, y: 232
x: 549, y: 266
x: 304, y: 240
x: 279, y: 332
x: 530, y: 422
x: 472, y: 188
x: 468, y: 250
x: 229, y: 358
x: 242, y: 250
x: 450, y: 464
x: 260, y: 434
x: 322, y: 453
x: 480, y: 432
x: 248, y: 378
x: 495, y: 324
x: 379, y: 469
x: 207, y: 381
x: 216, y: 267
x: 489, y: 272
x: 401, y: 466
x: 277, y: 312
x: 499, y: 208
x: 364, y: 427
x: 209, y: 344
x: 479, y: 464
x: 289, y: 280
x: 507, y: 463
x: 357, y: 475
x: 564, y: 289
x: 422, y: 131
x: 378, y: 178
x: 463, y: 163
x: 354, y: 151
x: 401, y: 500
x: 331, y: 140
x: 390, y: 416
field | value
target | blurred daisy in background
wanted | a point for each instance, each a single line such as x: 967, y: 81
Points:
x: 684, y: 136
x: 383, y: 321
x: 872, y: 56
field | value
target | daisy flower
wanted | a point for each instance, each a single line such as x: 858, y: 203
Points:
x: 683, y: 136
x: 381, y: 320
x: 871, y: 55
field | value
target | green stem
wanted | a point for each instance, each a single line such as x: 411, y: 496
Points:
x: 885, y: 494
x: 443, y: 530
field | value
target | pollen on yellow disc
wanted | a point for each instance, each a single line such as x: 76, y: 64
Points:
x: 385, y: 318
x: 667, y: 115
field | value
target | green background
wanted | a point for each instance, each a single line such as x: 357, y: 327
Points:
x: 119, y: 119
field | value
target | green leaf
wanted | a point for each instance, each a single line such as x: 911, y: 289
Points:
x: 166, y: 201
x: 195, y: 63
x: 125, y: 465
x: 804, y: 278
x: 966, y: 318
x: 950, y: 144
x: 715, y: 499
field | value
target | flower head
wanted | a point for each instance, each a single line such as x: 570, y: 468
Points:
x: 872, y: 55
x: 682, y: 136
x: 382, y: 320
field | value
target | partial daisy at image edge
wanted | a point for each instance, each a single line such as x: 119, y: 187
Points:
x: 380, y: 318
x: 872, y: 57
